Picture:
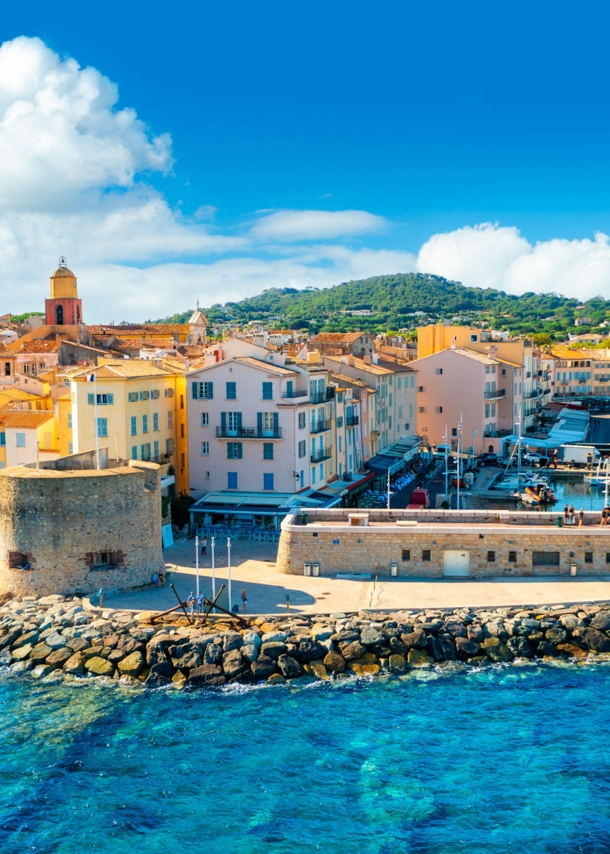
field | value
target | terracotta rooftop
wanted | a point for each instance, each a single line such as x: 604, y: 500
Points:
x: 126, y: 369
x: 336, y: 337
x: 28, y: 419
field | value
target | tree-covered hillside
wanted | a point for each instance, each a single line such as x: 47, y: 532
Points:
x: 394, y: 300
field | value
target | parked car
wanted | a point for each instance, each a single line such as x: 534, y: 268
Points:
x: 534, y: 459
x: 488, y: 460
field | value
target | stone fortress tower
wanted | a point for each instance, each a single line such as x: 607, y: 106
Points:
x: 70, y: 528
x: 64, y: 308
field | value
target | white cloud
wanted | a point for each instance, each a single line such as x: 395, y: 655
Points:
x: 315, y: 225
x: 490, y: 255
x: 60, y: 133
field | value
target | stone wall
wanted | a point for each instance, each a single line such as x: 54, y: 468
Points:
x: 373, y: 549
x: 60, y: 519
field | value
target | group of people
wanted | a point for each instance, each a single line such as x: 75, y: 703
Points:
x: 569, y: 516
x: 158, y: 579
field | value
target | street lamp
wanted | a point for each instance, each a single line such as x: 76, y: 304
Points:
x: 446, y: 441
x: 459, y: 460
x: 475, y: 433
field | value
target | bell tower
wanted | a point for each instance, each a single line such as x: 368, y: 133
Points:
x: 64, y: 307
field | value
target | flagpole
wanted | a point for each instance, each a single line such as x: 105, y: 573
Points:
x: 97, y: 438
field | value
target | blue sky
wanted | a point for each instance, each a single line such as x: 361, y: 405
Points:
x: 437, y: 118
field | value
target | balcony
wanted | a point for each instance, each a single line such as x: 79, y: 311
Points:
x: 496, y: 434
x: 247, y: 433
x: 322, y: 396
x: 290, y: 395
x: 320, y: 455
x: 532, y: 394
x: 352, y: 420
x: 495, y: 394
x: 320, y: 426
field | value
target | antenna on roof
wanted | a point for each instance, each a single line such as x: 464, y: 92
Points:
x: 197, y: 305
x: 62, y: 261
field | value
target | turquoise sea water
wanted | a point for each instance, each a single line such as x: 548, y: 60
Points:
x: 503, y: 760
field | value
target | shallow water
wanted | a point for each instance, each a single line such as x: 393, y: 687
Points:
x: 509, y: 759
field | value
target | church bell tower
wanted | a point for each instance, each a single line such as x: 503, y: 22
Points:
x: 64, y: 307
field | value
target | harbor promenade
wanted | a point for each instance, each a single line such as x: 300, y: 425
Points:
x: 254, y: 569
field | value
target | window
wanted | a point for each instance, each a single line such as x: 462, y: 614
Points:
x: 26, y: 369
x: 70, y: 448
x: 182, y: 431
x: 607, y: 557
x: 407, y: 426
x: 145, y: 451
x: 545, y: 558
x: 134, y: 425
x: 340, y: 443
x: 454, y: 431
x: 169, y: 446
x: 439, y: 371
x: 145, y: 424
x: 2, y: 439
x: 474, y: 339
x: 102, y: 426
x: 321, y: 472
x: 155, y: 422
x: 425, y: 555
x: 302, y: 420
x: 231, y: 480
x: 268, y: 481
x: 156, y: 451
x: 421, y: 388
x: 235, y: 450
x: 20, y: 440
x: 69, y: 420
x: 203, y: 391
x: 169, y: 392
x: 313, y: 474
x: 103, y: 560
x: 398, y: 382
x: 155, y: 394
x: 588, y: 557
x: 491, y: 557
x: 102, y: 399
x: 231, y: 391
x: 406, y: 554
x: 422, y: 409
x: 512, y: 557
x: 438, y: 409
x: 302, y: 448
x: 205, y: 419
x: 134, y: 452
x: 144, y: 395
x: 267, y: 391
x: 7, y: 369
x: 267, y: 450
x: 205, y: 449
x: 170, y: 419
x: 182, y: 401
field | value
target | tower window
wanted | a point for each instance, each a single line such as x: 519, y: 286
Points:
x: 59, y: 315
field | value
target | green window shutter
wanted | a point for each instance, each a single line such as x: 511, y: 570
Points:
x: 91, y: 399
x: 210, y: 391
x: 238, y: 418
x: 110, y: 398
x: 240, y: 450
x: 195, y: 390
x: 259, y: 422
x: 223, y: 421
x: 276, y: 422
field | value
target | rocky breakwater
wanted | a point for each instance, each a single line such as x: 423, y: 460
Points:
x: 55, y: 639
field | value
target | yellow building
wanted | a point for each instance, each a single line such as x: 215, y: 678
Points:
x: 63, y: 417
x: 140, y: 408
x: 28, y: 436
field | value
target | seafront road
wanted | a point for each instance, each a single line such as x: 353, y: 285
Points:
x: 253, y: 569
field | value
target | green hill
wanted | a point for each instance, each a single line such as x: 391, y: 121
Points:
x: 394, y: 301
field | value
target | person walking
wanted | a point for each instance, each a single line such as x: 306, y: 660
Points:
x: 204, y: 546
x: 191, y: 603
x: 566, y: 515
x: 572, y: 514
x: 604, y: 519
x: 244, y: 600
x: 581, y: 517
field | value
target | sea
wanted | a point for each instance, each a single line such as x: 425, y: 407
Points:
x: 503, y: 759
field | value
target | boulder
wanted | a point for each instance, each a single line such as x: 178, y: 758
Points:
x: 187, y: 655
x: 98, y: 666
x: 362, y: 667
x: 213, y: 654
x: 273, y: 649
x: 571, y: 621
x: 317, y: 669
x: 556, y: 635
x: 157, y: 649
x: 546, y: 650
x: 593, y: 638
x: 40, y: 671
x: 601, y: 621
x: 129, y: 682
x: 249, y: 652
x: 159, y: 674
x: 289, y: 667
x: 456, y: 630
x: 59, y: 657
x: 276, y: 679
x: 251, y: 638
x: 520, y: 647
x: 397, y: 664
x: 371, y: 637
x: 132, y: 664
x: 55, y: 640
x: 311, y: 651
x: 6, y: 656
x: 9, y: 637
x: 231, y: 641
x: 334, y: 662
x: 129, y: 645
x: 475, y: 632
x: 572, y: 650
x: 264, y: 666
x: 115, y: 655
x: 233, y: 663
x: 179, y: 680
x: 418, y: 658
x: 75, y: 664
x: 77, y: 644
x: 22, y: 652
x: 495, y: 650
x: 397, y: 646
x: 26, y: 638
x: 417, y: 639
x: 274, y: 637
x: 466, y: 647
x: 113, y: 640
x: 442, y: 649
x: 351, y: 651
x: 320, y: 632
x: 207, y: 675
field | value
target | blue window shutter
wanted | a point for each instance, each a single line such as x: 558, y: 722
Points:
x: 276, y: 422
x: 238, y: 418
x: 267, y: 481
x: 240, y: 451
x: 195, y: 390
x: 90, y: 400
x: 210, y: 391
x: 259, y: 422
x: 110, y: 398
x: 223, y: 421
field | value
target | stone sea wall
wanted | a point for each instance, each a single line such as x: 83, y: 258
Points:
x: 58, y: 640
